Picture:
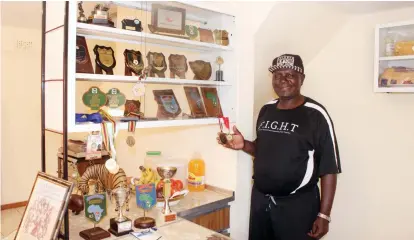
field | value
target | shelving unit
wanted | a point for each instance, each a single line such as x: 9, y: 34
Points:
x: 149, y: 80
x: 63, y: 87
x: 145, y: 41
x: 400, y: 68
x: 120, y: 35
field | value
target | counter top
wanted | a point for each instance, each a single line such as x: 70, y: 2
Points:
x: 194, y: 204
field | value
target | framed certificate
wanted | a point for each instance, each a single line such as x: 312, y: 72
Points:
x: 46, y: 207
x: 168, y: 19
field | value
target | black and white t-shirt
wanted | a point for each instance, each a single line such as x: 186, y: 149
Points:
x: 294, y: 148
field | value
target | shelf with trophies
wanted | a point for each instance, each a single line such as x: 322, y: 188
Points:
x: 136, y: 61
x: 121, y: 66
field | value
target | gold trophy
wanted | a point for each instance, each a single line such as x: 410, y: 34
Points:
x: 82, y: 18
x: 120, y: 225
x: 166, y: 174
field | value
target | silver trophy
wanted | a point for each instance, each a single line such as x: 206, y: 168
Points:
x: 120, y: 225
x: 166, y: 173
x: 100, y: 16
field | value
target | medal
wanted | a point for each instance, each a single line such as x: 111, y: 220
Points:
x: 131, y: 128
x: 225, y: 137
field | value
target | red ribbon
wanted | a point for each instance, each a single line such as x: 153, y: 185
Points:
x: 226, y: 123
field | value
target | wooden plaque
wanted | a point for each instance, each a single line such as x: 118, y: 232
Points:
x: 104, y: 59
x: 206, y: 35
x: 195, y: 102
x: 168, y: 106
x: 133, y: 62
x: 83, y: 60
x: 201, y: 69
x: 212, y: 102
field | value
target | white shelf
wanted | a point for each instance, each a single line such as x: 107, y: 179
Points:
x: 150, y: 80
x: 121, y: 35
x: 396, y: 58
x: 87, y: 127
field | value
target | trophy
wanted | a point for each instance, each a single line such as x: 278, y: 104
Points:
x: 146, y: 198
x: 100, y: 16
x: 95, y: 210
x: 219, y: 73
x: 120, y: 225
x: 166, y: 174
x: 82, y: 17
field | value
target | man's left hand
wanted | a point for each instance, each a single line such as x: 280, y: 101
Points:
x: 319, y: 229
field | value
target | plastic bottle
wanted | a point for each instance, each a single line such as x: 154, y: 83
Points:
x: 196, y: 174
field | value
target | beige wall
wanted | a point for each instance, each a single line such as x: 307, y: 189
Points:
x: 374, y: 199
x: 20, y: 101
x: 20, y: 124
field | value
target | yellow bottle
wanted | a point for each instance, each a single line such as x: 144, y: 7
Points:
x: 196, y: 175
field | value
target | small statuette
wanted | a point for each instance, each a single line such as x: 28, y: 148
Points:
x: 219, y: 73
x: 82, y: 18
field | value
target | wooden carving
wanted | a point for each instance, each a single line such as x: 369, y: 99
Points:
x: 178, y: 65
x: 157, y: 64
x: 201, y: 70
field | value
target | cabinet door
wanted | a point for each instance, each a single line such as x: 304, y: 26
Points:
x: 216, y: 221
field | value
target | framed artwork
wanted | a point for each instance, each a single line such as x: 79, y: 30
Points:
x: 195, y: 102
x: 168, y: 19
x: 46, y: 207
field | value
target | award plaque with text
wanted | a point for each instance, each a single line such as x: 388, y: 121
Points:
x: 168, y: 106
x: 104, y: 59
x: 133, y: 62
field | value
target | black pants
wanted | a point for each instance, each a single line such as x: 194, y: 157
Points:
x: 289, y: 219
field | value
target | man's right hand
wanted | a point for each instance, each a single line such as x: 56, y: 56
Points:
x: 237, y: 143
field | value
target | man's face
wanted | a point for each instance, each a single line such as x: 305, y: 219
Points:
x: 287, y: 83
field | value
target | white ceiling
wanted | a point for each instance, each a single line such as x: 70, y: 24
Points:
x: 21, y: 14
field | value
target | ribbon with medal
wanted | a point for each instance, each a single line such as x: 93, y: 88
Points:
x: 225, y: 137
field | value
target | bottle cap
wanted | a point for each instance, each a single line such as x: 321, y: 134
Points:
x: 154, y: 153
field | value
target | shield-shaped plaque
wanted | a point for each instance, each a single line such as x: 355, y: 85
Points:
x: 115, y: 98
x: 191, y: 31
x: 94, y: 98
x: 133, y: 62
x: 157, y: 64
x: 104, y: 59
x: 83, y: 60
x: 132, y: 107
x: 146, y: 196
x: 95, y: 207
x: 167, y: 103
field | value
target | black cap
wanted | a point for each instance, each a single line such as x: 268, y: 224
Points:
x: 288, y: 61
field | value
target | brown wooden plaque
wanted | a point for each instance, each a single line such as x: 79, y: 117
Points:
x: 211, y: 101
x: 133, y: 62
x: 178, y: 65
x: 201, y: 69
x: 168, y: 106
x: 206, y: 35
x: 195, y: 102
x: 83, y: 60
x: 104, y: 59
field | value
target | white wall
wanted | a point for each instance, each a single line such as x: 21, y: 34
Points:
x: 374, y: 199
x: 20, y: 105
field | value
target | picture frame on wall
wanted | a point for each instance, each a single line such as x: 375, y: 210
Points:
x: 167, y: 20
x: 45, y: 209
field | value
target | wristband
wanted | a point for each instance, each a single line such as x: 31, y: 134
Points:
x: 321, y: 215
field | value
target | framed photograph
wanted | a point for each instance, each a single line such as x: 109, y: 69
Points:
x: 168, y: 19
x: 46, y: 207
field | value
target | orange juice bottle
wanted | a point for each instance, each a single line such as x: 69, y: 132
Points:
x: 196, y: 175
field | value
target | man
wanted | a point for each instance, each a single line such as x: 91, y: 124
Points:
x: 295, y: 146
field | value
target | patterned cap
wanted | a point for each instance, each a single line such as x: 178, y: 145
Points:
x: 289, y: 61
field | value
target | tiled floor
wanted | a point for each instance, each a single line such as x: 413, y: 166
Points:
x: 10, y: 220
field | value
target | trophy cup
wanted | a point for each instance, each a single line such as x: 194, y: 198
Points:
x: 100, y: 16
x: 82, y: 17
x: 120, y: 225
x: 166, y: 174
x: 219, y: 73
